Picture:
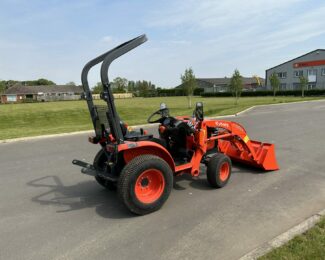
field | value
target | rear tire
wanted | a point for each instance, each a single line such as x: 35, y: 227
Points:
x: 145, y: 184
x: 99, y: 164
x: 218, y: 170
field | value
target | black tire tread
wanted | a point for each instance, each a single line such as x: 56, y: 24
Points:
x: 213, y: 166
x: 135, y: 166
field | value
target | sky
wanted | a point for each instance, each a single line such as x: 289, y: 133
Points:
x: 53, y: 39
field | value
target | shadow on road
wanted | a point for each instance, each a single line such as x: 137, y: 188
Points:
x: 106, y: 203
x: 79, y: 196
x: 245, y: 168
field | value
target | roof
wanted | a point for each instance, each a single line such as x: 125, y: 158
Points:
x: 20, y: 89
x: 226, y: 81
x: 296, y: 58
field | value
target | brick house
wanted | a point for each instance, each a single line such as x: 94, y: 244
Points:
x: 19, y: 93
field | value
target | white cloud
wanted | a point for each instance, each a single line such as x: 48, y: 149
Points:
x: 212, y: 36
x: 207, y: 14
x: 107, y: 39
x: 229, y: 34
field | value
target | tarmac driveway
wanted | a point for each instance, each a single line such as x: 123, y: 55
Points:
x: 49, y: 210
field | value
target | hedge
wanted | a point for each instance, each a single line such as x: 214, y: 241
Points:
x: 171, y: 92
x: 178, y: 92
x: 264, y: 93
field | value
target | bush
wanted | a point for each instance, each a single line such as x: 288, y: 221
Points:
x: 217, y: 94
x: 264, y: 93
x: 171, y: 92
x: 29, y: 100
x: 198, y: 91
x: 177, y: 92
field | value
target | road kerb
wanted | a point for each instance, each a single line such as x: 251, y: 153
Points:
x: 277, y: 104
x: 284, y: 237
x: 44, y: 136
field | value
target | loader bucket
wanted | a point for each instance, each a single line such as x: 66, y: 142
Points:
x: 265, y: 154
x: 257, y: 154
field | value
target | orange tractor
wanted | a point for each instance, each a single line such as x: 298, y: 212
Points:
x: 141, y: 166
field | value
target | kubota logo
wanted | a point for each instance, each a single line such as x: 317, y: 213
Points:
x: 222, y: 124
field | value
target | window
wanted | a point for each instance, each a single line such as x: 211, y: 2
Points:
x: 298, y: 73
x: 323, y: 72
x: 312, y: 75
x: 282, y: 75
x: 296, y: 86
x: 311, y: 86
x: 283, y: 86
x: 311, y: 72
x: 11, y: 98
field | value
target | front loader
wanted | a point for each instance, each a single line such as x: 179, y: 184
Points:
x: 142, y: 166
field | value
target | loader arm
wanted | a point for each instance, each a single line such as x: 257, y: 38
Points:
x: 234, y: 142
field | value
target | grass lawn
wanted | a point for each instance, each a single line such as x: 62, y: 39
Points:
x: 310, y: 245
x: 31, y: 119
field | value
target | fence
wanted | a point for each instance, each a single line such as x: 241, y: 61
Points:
x: 116, y: 95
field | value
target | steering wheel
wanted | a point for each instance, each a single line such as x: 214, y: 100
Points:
x: 163, y: 114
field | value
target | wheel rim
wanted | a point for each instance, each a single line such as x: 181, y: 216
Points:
x: 149, y: 186
x: 224, y: 171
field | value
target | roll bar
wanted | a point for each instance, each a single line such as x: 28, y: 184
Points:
x: 113, y: 116
x: 120, y: 49
x: 107, y: 58
x: 117, y: 52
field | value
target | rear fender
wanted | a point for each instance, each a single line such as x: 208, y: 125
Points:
x: 131, y: 150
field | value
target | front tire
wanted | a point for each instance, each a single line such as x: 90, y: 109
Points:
x: 219, y: 170
x: 145, y: 183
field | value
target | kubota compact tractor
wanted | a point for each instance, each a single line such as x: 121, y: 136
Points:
x: 142, y: 166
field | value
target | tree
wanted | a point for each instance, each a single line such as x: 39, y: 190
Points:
x: 120, y: 85
x: 131, y: 86
x: 140, y: 88
x: 98, y: 88
x: 236, y: 85
x: 10, y: 83
x: 303, y: 84
x: 40, y: 82
x: 2, y: 86
x: 71, y: 83
x: 189, y: 84
x: 143, y: 88
x: 275, y: 83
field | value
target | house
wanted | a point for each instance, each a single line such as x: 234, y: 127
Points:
x: 19, y: 93
x: 213, y: 85
x: 310, y: 65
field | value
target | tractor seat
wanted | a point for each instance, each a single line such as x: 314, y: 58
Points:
x: 136, y: 136
x: 160, y: 141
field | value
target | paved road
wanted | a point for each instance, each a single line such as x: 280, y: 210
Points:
x: 48, y: 210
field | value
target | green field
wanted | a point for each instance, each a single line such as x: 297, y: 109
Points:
x: 310, y: 245
x: 31, y: 119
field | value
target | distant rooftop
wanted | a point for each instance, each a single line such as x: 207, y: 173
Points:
x: 226, y: 80
x: 314, y: 51
x: 20, y: 89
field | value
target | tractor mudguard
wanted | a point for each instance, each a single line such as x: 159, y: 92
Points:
x: 133, y: 149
